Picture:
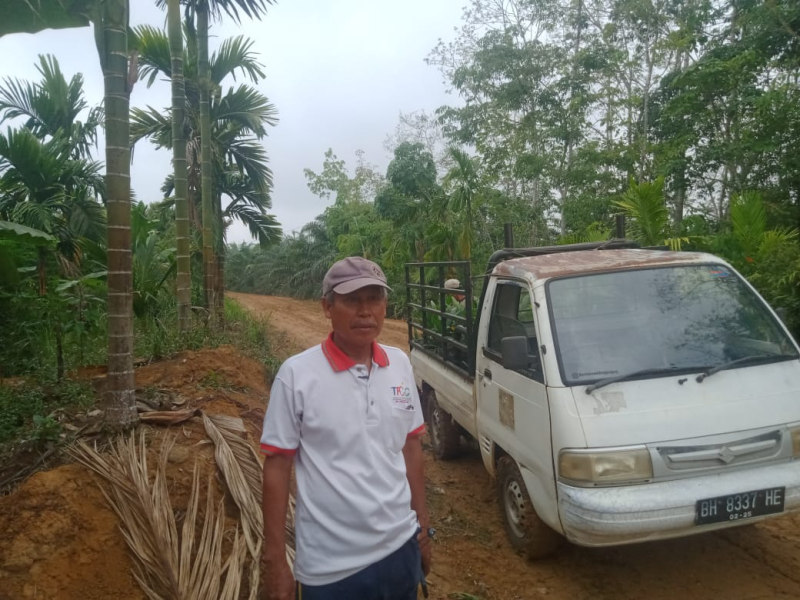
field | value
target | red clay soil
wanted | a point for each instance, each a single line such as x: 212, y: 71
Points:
x: 59, y: 539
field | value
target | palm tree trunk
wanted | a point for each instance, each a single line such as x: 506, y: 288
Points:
x: 113, y: 48
x: 184, y: 277
x: 205, y: 156
x: 219, y: 262
x: 221, y: 287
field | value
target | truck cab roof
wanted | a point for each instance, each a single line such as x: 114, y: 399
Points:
x: 561, y: 264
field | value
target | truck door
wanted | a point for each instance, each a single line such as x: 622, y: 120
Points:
x: 513, y: 411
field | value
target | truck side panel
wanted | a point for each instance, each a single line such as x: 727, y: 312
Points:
x: 454, y: 392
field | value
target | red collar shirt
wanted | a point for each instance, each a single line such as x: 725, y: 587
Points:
x: 346, y: 426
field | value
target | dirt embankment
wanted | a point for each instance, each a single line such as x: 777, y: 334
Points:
x: 60, y: 540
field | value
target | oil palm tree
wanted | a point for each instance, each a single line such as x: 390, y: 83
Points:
x: 110, y: 18
x: 297, y: 265
x: 644, y: 203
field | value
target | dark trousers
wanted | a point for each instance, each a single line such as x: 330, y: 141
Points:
x: 396, y: 577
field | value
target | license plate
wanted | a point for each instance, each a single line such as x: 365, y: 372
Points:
x: 744, y: 505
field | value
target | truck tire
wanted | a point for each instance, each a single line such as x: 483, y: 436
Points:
x: 526, y: 531
x: 445, y: 432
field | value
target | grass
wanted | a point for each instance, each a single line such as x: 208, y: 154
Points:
x: 250, y: 336
x: 26, y: 409
x: 159, y: 338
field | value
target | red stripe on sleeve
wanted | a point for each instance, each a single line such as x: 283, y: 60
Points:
x: 270, y: 450
x: 417, y: 432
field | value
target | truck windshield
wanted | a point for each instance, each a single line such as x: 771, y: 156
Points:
x: 686, y: 318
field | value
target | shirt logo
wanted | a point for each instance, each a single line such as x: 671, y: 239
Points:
x: 401, y: 397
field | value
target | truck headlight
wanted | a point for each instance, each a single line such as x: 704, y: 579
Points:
x: 605, y: 467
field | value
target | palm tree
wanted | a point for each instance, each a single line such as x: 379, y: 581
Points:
x: 463, y: 183
x: 43, y: 187
x: 48, y: 177
x: 203, y: 10
x: 296, y: 266
x: 184, y: 276
x: 205, y: 154
x: 238, y: 121
x: 645, y: 205
x: 111, y: 26
x: 51, y: 107
x: 112, y: 45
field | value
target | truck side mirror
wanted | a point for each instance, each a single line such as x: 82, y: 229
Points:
x: 515, y: 352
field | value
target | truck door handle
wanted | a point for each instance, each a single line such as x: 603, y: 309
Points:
x: 488, y: 374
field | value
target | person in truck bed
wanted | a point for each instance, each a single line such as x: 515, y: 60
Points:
x: 347, y: 414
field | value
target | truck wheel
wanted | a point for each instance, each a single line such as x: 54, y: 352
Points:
x: 445, y: 432
x: 525, y: 530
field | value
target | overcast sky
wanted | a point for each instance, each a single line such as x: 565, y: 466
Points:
x: 338, y: 71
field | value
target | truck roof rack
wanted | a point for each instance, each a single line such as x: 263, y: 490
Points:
x: 508, y: 253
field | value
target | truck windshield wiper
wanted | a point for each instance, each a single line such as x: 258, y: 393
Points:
x: 745, y: 360
x: 631, y: 375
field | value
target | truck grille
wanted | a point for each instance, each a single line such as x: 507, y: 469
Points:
x: 761, y: 447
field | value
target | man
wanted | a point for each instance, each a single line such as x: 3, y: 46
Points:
x: 347, y: 414
x: 454, y: 284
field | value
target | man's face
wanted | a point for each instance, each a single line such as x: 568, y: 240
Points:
x: 357, y: 317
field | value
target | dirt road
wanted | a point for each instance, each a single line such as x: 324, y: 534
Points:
x: 472, y: 556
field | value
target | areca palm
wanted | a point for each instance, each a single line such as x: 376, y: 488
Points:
x: 110, y: 18
x: 202, y: 10
x: 247, y: 205
x: 239, y: 119
x: 51, y: 107
x: 464, y: 184
x: 184, y: 275
x: 42, y: 186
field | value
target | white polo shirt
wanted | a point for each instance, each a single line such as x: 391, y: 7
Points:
x: 347, y: 427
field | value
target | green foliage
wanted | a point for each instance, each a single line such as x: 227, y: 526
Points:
x: 649, y: 218
x: 460, y: 218
x: 25, y: 235
x: 240, y: 117
x: 26, y: 409
x: 45, y: 429
x: 51, y: 107
x: 335, y: 180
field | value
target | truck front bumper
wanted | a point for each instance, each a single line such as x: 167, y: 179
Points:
x: 620, y: 515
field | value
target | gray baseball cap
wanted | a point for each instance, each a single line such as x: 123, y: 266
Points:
x: 351, y: 274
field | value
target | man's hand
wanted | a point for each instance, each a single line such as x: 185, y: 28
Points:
x: 425, y: 548
x: 277, y: 582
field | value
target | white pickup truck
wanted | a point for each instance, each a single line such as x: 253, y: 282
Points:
x: 617, y: 394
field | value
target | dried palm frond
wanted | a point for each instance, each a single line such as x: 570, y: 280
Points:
x: 168, y: 566
x: 239, y: 465
x: 241, y: 468
x: 167, y: 417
